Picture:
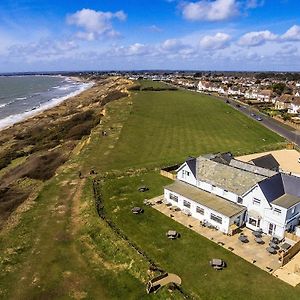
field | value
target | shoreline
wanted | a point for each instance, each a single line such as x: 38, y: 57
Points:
x: 12, y: 120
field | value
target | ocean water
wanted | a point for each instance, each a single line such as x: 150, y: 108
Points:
x: 24, y: 96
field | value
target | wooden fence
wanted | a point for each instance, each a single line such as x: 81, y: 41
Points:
x: 286, y: 256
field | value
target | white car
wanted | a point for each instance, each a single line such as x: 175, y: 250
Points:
x: 299, y: 160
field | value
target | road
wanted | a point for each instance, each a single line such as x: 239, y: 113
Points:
x: 292, y: 135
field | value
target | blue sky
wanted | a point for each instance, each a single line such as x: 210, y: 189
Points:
x: 39, y: 35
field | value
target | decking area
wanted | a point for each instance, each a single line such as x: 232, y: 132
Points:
x: 252, y: 251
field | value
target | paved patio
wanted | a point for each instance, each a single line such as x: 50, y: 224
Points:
x: 288, y: 159
x: 252, y: 252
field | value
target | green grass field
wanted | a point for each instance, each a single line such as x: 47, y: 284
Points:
x: 166, y: 127
x: 61, y: 249
x: 188, y: 256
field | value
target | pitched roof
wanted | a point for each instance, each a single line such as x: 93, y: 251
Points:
x: 286, y: 201
x: 279, y: 185
x: 227, y: 177
x: 252, y: 168
x: 267, y: 161
x: 218, y: 204
x: 191, y: 162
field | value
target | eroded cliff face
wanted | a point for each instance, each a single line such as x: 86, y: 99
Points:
x: 31, y: 151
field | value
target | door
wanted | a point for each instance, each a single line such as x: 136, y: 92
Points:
x: 272, y: 228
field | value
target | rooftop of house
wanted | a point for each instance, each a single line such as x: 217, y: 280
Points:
x: 275, y: 187
x: 286, y: 201
x: 266, y: 161
x: 225, y: 176
x: 218, y: 204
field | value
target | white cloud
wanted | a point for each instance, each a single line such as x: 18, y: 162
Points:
x: 172, y: 45
x: 204, y: 10
x: 257, y: 38
x: 254, y: 3
x: 292, y: 34
x: 45, y: 49
x: 154, y: 28
x: 217, y: 41
x: 95, y: 23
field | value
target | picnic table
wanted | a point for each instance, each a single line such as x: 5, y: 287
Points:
x: 217, y: 263
x: 172, y: 234
x: 137, y: 210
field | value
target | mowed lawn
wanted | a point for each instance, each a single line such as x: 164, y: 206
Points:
x: 167, y: 126
x: 188, y: 256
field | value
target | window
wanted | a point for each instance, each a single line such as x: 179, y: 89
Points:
x: 173, y: 197
x: 293, y: 210
x: 187, y: 204
x: 256, y: 201
x: 277, y: 211
x: 200, y: 210
x: 216, y: 218
x: 254, y: 222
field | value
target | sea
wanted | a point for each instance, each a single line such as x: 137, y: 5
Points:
x: 24, y: 96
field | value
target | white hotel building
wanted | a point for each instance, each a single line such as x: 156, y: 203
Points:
x: 228, y: 193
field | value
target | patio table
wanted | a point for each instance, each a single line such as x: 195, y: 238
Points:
x: 271, y: 250
x: 257, y: 233
x: 259, y: 240
x: 243, y: 239
x: 273, y: 245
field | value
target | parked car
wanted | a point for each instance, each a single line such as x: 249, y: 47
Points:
x: 299, y: 160
x: 259, y: 119
x: 253, y: 115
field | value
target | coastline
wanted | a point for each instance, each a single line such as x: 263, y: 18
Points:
x: 15, y: 119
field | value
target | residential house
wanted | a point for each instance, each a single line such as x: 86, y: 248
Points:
x: 267, y: 161
x: 294, y: 107
x: 228, y: 193
x: 265, y: 95
x: 251, y: 94
x: 283, y: 102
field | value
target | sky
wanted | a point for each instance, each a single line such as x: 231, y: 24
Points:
x: 73, y: 35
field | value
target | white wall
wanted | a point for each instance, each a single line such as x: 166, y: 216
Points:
x: 224, y: 227
x: 217, y: 191
x: 267, y: 212
x: 182, y: 175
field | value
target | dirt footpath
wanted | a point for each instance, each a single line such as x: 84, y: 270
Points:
x: 288, y: 159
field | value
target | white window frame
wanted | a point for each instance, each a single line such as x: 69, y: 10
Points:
x: 200, y: 210
x: 216, y: 218
x: 173, y: 197
x: 186, y: 204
